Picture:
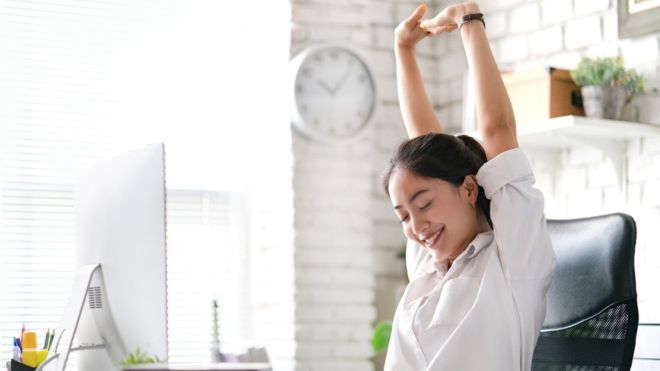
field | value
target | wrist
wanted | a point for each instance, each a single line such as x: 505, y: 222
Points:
x: 404, y: 48
x: 459, y: 10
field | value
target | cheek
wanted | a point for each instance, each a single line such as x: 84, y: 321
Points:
x: 458, y: 206
x: 407, y: 231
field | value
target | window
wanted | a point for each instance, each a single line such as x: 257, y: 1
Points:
x: 83, y: 80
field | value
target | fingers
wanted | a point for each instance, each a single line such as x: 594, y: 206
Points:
x: 439, y: 21
x: 436, y: 30
x: 416, y: 16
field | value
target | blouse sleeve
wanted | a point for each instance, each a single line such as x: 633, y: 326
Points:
x: 516, y: 210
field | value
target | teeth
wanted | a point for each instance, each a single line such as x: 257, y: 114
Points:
x: 431, y: 240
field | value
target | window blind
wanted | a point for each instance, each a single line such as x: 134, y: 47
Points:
x: 206, y: 262
x: 84, y: 80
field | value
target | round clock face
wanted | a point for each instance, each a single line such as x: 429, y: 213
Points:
x: 334, y: 94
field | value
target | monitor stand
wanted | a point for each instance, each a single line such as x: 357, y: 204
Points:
x: 88, y: 285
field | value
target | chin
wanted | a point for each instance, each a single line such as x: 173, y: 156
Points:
x: 437, y: 255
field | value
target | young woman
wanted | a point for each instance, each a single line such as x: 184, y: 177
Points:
x: 479, y: 257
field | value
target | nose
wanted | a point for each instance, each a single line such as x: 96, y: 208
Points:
x: 418, y: 224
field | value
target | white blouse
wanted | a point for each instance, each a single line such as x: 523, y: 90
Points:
x: 486, y: 311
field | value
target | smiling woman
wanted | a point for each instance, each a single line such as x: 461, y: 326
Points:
x: 479, y: 257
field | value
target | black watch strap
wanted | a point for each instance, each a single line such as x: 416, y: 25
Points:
x: 471, y: 17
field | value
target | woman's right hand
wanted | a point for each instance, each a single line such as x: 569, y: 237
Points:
x: 408, y: 33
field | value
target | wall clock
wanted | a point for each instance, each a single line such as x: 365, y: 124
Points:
x: 334, y: 94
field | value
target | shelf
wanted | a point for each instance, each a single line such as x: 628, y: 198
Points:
x: 566, y: 131
x: 609, y: 136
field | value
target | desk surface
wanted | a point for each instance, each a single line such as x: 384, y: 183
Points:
x: 207, y: 367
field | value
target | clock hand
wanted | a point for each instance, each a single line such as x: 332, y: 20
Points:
x: 342, y: 79
x: 326, y: 87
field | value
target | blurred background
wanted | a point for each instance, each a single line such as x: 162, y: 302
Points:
x: 293, y: 236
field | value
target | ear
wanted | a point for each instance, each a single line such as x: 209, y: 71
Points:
x: 471, y: 188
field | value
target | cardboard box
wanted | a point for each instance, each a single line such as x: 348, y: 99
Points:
x: 543, y: 94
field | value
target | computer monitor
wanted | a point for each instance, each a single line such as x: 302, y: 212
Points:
x: 118, y: 302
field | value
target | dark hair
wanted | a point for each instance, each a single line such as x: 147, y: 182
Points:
x: 441, y: 156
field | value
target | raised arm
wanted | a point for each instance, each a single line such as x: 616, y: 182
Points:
x: 416, y: 109
x: 495, y: 119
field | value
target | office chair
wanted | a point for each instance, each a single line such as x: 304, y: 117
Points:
x: 591, y: 313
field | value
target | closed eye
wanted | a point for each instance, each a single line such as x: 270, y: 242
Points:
x: 425, y: 206
x: 403, y: 220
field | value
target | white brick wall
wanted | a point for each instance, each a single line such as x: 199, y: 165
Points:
x: 556, y: 11
x: 498, y: 24
x: 513, y: 49
x: 337, y: 236
x: 591, y: 6
x: 525, y: 17
x: 610, y: 27
x: 546, y: 41
x: 640, y: 50
x: 583, y: 32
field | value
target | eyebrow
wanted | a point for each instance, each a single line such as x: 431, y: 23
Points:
x: 413, y: 197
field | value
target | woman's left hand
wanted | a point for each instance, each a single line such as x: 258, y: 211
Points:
x: 441, y: 23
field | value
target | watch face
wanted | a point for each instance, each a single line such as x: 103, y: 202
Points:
x: 334, y: 93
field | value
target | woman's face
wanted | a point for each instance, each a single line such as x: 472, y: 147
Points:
x: 435, y: 213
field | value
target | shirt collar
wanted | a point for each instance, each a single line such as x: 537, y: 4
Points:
x: 479, y: 242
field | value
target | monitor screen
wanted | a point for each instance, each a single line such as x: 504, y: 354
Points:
x: 120, y: 224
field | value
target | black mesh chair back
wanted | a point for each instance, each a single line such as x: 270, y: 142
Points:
x: 591, y: 314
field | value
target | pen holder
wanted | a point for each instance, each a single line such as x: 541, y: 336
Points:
x: 17, y: 366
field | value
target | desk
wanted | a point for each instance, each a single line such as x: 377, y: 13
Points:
x: 207, y: 367
x: 647, y: 349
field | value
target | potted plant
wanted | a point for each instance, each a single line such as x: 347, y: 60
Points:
x: 138, y: 357
x: 606, y: 86
x: 381, y: 337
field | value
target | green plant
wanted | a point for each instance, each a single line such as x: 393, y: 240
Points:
x: 138, y: 357
x: 609, y: 71
x: 402, y: 253
x: 381, y: 336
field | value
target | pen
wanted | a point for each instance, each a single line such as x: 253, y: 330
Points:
x: 16, y: 352
x: 46, y: 340
x: 22, y: 332
x: 50, y: 341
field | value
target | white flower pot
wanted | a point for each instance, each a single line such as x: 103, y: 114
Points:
x: 604, y: 101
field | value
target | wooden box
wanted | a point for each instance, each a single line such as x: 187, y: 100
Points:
x: 543, y: 94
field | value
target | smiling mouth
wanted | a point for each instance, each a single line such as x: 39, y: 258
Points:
x: 432, y: 239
